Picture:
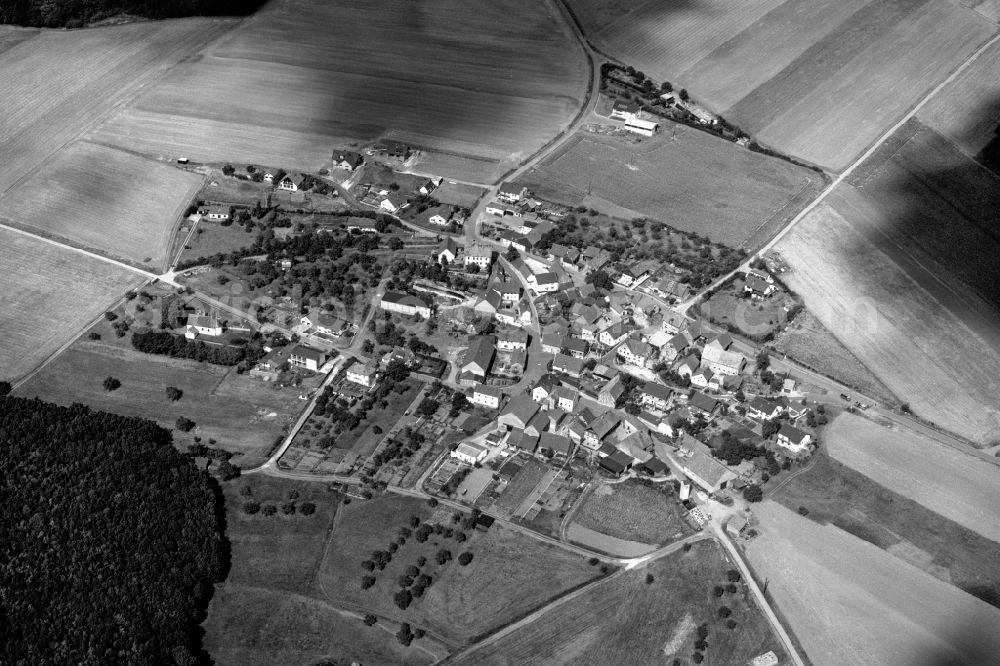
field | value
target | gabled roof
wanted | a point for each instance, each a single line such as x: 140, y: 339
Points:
x: 306, y: 353
x: 513, y: 335
x: 492, y: 391
x: 404, y: 299
x: 521, y: 407
x: 638, y: 347
x: 604, y: 424
x: 616, y: 330
x: 703, y: 402
x: 757, y: 284
x: 450, y: 245
x: 792, y: 434
x: 658, y: 391
x: 565, y: 393
x: 480, y: 352
x: 614, y: 388
x: 546, y: 278
x: 552, y: 340
x: 575, y: 344
x: 570, y: 364
x: 555, y: 443
x: 349, y: 156
x: 510, y: 188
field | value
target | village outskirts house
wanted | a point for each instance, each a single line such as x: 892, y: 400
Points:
x: 348, y: 160
x: 511, y: 192
x: 793, y: 439
x: 622, y: 110
x: 302, y: 356
x: 214, y: 212
x: 470, y: 453
x: 202, y: 325
x: 325, y: 324
x: 292, y: 182
x: 393, y: 203
x: 363, y: 374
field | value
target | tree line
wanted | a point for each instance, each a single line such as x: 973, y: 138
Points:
x: 177, y: 346
x: 77, y: 13
x: 110, y: 539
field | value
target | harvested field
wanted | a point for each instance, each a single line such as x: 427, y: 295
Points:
x: 59, y: 84
x: 967, y: 110
x: 47, y: 294
x: 605, y: 543
x: 11, y: 36
x: 463, y: 601
x: 789, y: 73
x: 674, y: 177
x: 269, y: 610
x: 958, y: 486
x: 893, y: 51
x: 488, y: 80
x: 634, y: 512
x: 851, y: 603
x: 243, y: 414
x: 104, y: 200
x: 625, y: 620
x: 872, y: 264
x: 836, y: 494
x: 809, y: 342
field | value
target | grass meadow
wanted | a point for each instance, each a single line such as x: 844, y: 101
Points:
x: 242, y: 414
x: 677, y: 177
x: 627, y: 620
x: 634, y: 512
x: 269, y: 609
x: 510, y: 574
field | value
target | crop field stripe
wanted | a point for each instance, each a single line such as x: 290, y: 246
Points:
x: 761, y: 51
x: 814, y: 67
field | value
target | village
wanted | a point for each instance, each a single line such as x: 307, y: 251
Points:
x: 525, y: 363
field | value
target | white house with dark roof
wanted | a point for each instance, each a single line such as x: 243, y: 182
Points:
x: 544, y: 282
x: 635, y: 352
x: 793, y: 439
x: 655, y: 395
x: 511, y: 339
x: 613, y: 334
x: 622, y: 110
x: 302, y: 356
x: 470, y: 452
x: 487, y: 396
x: 203, y: 325
x: 479, y: 254
x: 363, y: 374
x: 511, y: 192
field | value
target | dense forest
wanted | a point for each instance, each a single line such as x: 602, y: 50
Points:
x: 110, y: 540
x: 77, y: 13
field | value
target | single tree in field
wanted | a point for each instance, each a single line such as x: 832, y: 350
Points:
x: 465, y: 558
x: 111, y: 384
x: 184, y: 424
x: 174, y: 394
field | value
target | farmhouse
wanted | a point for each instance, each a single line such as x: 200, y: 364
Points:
x: 655, y: 395
x: 477, y: 361
x: 406, y: 304
x: 508, y: 340
x: 291, y: 182
x: 347, y: 160
x: 564, y: 398
x: 706, y: 472
x: 302, y: 356
x: 478, y: 254
x: 793, y: 439
x: 688, y: 366
x: 518, y: 413
x: 576, y: 347
x: 643, y: 127
x: 721, y: 361
x: 363, y: 374
x: 567, y: 365
x: 635, y: 352
x: 438, y: 219
x: 201, y: 325
x: 555, y: 445
x: 617, y: 463
x: 702, y: 377
x: 552, y: 343
x: 429, y: 185
x: 613, y: 334
x: 214, y: 212
x: 597, y: 431
x: 470, y: 453
x: 611, y: 392
x: 699, y: 402
x: 511, y: 192
x: 487, y: 396
x: 625, y: 110
x: 495, y: 208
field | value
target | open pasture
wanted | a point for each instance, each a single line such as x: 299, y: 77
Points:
x: 625, y: 620
x: 852, y: 604
x: 458, y: 194
x: 104, y: 200
x: 818, y: 80
x: 244, y: 415
x: 47, y: 294
x: 897, y: 265
x: 463, y: 601
x: 677, y: 177
x: 959, y: 486
x: 492, y: 80
x: 56, y: 85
